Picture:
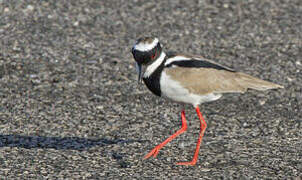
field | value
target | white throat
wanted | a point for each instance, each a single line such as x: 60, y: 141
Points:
x: 152, y: 67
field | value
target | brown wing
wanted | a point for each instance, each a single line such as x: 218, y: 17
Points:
x: 208, y: 80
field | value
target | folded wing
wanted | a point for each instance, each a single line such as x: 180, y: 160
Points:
x: 204, y: 80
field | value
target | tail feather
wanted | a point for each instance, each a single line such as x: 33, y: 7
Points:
x: 255, y: 83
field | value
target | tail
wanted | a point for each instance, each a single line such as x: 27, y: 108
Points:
x: 254, y: 83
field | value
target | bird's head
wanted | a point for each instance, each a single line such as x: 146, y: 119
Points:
x: 145, y: 51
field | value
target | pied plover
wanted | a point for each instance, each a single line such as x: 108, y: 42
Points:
x: 188, y: 79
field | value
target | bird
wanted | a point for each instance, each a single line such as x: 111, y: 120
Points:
x: 188, y: 79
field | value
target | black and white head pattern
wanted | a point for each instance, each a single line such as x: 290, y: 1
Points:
x: 146, y: 50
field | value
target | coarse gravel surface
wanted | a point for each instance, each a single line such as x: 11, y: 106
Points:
x: 70, y: 106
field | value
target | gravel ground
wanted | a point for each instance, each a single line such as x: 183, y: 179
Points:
x: 71, y: 107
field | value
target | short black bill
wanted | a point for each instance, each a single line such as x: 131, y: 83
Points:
x: 139, y: 71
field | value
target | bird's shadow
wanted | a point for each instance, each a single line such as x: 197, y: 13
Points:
x: 45, y: 142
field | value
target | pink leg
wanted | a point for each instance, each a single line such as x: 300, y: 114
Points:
x: 203, y: 126
x: 155, y: 151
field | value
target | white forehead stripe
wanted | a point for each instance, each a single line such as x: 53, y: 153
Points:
x: 176, y: 58
x: 145, y: 46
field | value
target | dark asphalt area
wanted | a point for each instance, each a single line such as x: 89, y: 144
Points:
x: 70, y: 106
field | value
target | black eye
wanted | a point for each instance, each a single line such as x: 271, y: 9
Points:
x: 153, y: 55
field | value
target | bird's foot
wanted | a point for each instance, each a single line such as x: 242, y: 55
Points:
x: 154, y: 152
x: 191, y: 163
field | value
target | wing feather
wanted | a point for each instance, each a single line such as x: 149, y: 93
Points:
x: 209, y: 80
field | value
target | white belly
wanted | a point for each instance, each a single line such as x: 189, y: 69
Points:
x: 174, y: 91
